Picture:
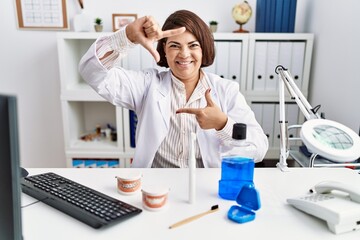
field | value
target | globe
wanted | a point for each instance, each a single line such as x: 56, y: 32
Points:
x: 241, y: 13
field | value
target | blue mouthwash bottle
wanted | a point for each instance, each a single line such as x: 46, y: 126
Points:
x: 237, y: 164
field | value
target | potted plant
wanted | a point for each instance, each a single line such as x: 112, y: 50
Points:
x: 213, y: 26
x: 98, y: 25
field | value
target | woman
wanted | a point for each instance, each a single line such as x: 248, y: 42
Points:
x: 173, y: 103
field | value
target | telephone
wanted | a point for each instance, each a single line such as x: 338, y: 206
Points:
x: 335, y: 202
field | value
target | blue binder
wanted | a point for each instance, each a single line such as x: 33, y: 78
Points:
x: 268, y: 15
x: 133, y: 123
x: 278, y: 15
x: 272, y: 15
x: 285, y: 16
x: 260, y: 15
x: 292, y: 15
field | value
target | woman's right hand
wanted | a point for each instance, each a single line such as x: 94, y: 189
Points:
x: 146, y: 31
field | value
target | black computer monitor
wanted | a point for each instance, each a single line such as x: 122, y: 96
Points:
x: 10, y: 190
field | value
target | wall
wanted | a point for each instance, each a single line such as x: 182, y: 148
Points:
x: 335, y: 82
x: 29, y: 64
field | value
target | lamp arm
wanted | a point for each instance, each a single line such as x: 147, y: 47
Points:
x: 284, y: 149
x: 305, y: 107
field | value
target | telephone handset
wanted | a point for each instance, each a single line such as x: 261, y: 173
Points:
x: 335, y: 202
x: 328, y: 186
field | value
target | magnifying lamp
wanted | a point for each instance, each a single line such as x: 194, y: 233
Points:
x: 327, y: 138
x: 331, y: 140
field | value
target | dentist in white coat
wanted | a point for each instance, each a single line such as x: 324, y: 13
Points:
x: 173, y: 103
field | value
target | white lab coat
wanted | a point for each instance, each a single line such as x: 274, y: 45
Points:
x: 147, y: 92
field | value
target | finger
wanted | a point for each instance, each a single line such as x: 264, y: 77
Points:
x: 151, y: 28
x: 152, y: 51
x: 148, y: 21
x: 173, y: 32
x: 208, y: 98
x: 189, y: 110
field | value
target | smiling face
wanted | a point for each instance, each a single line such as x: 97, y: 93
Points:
x: 184, y: 56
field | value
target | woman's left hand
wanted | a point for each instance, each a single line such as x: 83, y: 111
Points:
x: 146, y: 31
x: 209, y: 117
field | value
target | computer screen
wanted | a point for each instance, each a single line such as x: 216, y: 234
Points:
x: 10, y: 190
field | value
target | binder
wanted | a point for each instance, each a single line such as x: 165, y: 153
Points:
x: 285, y: 16
x: 297, y: 64
x: 268, y: 120
x: 113, y: 163
x: 133, y: 123
x: 292, y: 15
x: 235, y: 54
x: 276, y: 136
x: 78, y: 163
x: 293, y: 116
x: 272, y: 15
x: 260, y: 15
x: 268, y: 16
x: 102, y: 163
x: 292, y: 113
x: 285, y: 53
x: 278, y: 15
x: 257, y: 109
x: 212, y: 67
x: 272, y: 60
x: 90, y: 163
x: 259, y: 66
x: 222, y: 59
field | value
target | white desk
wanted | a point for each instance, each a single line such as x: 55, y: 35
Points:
x: 304, y: 161
x: 275, y: 219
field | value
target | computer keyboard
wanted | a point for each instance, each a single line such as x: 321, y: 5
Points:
x: 83, y: 203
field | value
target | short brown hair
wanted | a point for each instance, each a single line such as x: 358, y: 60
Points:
x: 196, y: 26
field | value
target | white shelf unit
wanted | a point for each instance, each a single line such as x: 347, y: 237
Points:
x: 83, y: 109
x: 266, y: 51
x: 236, y: 59
x: 231, y: 57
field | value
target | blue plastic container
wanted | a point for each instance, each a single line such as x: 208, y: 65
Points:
x: 249, y: 201
x: 229, y: 190
x: 235, y: 172
x: 237, y: 168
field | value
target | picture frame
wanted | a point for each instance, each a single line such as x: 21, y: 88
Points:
x: 119, y: 20
x: 42, y: 15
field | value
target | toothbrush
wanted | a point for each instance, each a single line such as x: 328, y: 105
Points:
x: 192, y: 168
x: 197, y: 216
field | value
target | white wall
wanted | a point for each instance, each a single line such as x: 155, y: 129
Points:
x: 29, y: 65
x: 335, y: 81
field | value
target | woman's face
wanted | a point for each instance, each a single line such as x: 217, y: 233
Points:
x: 184, y: 56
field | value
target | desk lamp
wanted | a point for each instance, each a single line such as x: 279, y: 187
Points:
x: 327, y: 138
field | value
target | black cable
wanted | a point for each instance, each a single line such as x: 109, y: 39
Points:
x: 34, y: 202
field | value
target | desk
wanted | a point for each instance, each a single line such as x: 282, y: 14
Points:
x: 274, y: 220
x: 304, y: 161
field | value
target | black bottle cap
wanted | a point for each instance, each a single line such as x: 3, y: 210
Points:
x: 239, y: 131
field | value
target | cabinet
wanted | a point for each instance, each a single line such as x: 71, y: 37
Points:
x: 266, y: 51
x: 83, y: 110
x: 250, y: 59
